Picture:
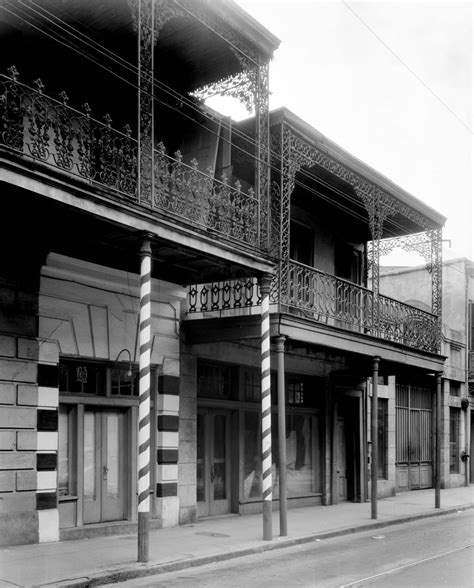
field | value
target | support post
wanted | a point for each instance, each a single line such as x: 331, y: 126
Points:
x: 144, y: 402
x: 438, y: 441
x: 265, y: 284
x: 280, y: 348
x: 374, y: 419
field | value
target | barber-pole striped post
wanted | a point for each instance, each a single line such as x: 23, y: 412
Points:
x: 265, y: 283
x: 144, y: 399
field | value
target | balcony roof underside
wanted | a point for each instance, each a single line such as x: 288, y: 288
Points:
x: 317, y: 337
x: 188, y: 53
x: 37, y: 225
x: 317, y: 189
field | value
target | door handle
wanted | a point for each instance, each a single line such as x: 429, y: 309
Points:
x: 105, y: 471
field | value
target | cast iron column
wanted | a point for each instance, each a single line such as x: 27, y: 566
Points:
x: 374, y: 419
x: 265, y: 283
x: 280, y: 347
x: 438, y: 442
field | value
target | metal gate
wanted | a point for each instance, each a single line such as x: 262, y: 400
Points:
x: 413, y: 433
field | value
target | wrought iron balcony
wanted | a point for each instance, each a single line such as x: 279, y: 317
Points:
x: 50, y: 132
x: 325, y: 299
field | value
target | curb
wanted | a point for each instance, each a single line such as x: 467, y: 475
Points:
x: 144, y: 570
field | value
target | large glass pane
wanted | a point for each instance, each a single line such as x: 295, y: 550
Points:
x: 299, y: 455
x: 252, y: 461
x: 89, y: 456
x: 200, y: 495
x: 219, y: 436
x: 63, y: 451
x: 219, y: 465
x: 113, y: 447
x: 220, y: 480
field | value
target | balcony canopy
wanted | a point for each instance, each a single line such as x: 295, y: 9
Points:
x: 340, y: 179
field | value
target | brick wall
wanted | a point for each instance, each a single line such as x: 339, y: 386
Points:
x: 187, y: 439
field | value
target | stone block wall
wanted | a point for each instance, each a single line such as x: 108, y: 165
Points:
x: 28, y: 418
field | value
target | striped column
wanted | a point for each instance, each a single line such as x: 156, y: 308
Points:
x: 144, y: 406
x: 167, y: 448
x: 265, y: 283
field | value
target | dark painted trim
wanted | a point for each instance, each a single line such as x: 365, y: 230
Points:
x: 46, y: 462
x: 46, y: 500
x: 168, y: 422
x: 167, y: 456
x: 47, y: 420
x: 48, y: 375
x: 168, y: 385
x: 167, y: 489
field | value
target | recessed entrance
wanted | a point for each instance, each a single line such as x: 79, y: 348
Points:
x: 213, y: 462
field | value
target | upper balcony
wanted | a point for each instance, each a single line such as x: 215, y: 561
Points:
x: 135, y: 133
x: 332, y: 219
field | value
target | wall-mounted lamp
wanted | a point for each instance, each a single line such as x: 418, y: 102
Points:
x: 129, y: 373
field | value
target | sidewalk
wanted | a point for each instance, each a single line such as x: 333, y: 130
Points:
x: 91, y: 562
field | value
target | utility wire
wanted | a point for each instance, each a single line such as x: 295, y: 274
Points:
x: 131, y: 68
x: 236, y: 132
x: 407, y: 67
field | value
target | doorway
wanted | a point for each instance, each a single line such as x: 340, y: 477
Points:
x: 349, y: 472
x: 104, y: 466
x: 341, y: 462
x: 213, y: 462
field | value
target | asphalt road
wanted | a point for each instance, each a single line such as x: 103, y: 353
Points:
x: 428, y: 553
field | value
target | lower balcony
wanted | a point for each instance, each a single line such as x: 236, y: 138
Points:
x: 325, y: 299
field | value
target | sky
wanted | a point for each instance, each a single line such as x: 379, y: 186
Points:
x: 391, y: 82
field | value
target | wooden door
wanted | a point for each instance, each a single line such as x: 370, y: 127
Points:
x: 341, y: 462
x: 104, y: 466
x: 213, y: 462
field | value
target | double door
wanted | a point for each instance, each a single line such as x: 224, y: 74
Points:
x: 104, y: 466
x: 213, y: 462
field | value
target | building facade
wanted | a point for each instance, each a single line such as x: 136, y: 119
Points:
x: 201, y: 291
x: 117, y: 215
x: 410, y: 284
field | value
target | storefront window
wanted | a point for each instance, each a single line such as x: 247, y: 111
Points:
x: 300, y: 440
x: 252, y: 459
x: 382, y: 423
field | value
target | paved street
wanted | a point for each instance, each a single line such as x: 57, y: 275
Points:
x: 434, y: 552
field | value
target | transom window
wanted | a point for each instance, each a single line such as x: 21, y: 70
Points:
x: 98, y: 379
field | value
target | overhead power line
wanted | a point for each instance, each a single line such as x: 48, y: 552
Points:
x: 407, y: 67
x: 73, y: 33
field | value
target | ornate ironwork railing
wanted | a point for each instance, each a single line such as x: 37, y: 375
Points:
x: 231, y: 295
x: 408, y: 325
x: 190, y: 193
x: 330, y: 300
x: 53, y: 133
